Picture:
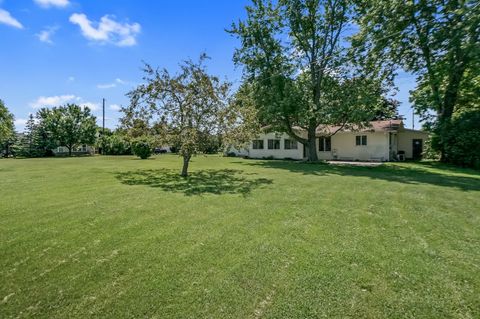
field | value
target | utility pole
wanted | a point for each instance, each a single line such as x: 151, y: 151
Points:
x: 103, y: 127
x: 413, y: 119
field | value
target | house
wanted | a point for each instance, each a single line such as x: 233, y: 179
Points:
x: 380, y: 141
x: 80, y: 150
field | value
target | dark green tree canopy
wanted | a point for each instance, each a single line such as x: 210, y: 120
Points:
x: 294, y: 54
x: 438, y: 40
x: 7, y: 128
x: 69, y: 125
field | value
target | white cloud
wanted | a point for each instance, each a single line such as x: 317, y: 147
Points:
x: 52, y: 3
x: 106, y: 86
x: 47, y: 101
x: 58, y: 100
x: 107, y: 30
x: 115, y: 107
x: 6, y: 18
x: 71, y: 79
x: 45, y: 35
x: 113, y: 84
x: 20, y: 122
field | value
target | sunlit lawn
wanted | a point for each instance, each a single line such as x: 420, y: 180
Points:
x: 120, y: 237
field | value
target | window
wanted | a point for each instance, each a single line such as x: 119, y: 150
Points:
x: 290, y: 144
x: 273, y: 144
x: 325, y: 144
x: 258, y: 144
x: 361, y: 140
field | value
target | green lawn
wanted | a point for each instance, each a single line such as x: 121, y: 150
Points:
x: 120, y: 237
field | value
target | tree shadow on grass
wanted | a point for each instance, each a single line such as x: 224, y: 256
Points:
x: 414, y: 173
x: 218, y: 182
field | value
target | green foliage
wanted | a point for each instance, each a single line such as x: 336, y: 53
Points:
x: 437, y: 40
x: 387, y: 110
x: 69, y: 125
x: 36, y: 141
x: 462, y: 141
x: 142, y: 147
x: 184, y: 107
x: 7, y: 128
x: 210, y: 144
x: 115, y: 144
x: 294, y: 54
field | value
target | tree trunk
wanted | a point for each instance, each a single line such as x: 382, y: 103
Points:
x: 69, y: 151
x: 312, y: 143
x: 448, y: 107
x: 186, y: 161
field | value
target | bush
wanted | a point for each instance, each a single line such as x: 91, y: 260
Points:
x: 115, y: 145
x: 462, y: 142
x: 142, y: 148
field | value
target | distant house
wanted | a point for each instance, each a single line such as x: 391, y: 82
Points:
x: 380, y: 141
x: 80, y: 150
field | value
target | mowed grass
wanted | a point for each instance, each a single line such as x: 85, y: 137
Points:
x: 118, y: 237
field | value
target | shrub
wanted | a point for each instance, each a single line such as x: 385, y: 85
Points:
x: 142, y: 148
x: 462, y: 143
x: 115, y: 145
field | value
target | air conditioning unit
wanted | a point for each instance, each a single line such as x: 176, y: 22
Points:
x: 401, y: 156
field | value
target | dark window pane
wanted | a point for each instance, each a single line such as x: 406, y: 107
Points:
x: 364, y: 140
x: 321, y: 144
x: 258, y: 144
x: 358, y: 140
x: 273, y: 144
x: 328, y: 144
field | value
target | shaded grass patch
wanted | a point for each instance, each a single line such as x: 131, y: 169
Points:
x: 218, y: 182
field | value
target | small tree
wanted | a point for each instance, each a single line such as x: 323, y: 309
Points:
x: 69, y: 125
x: 188, y: 105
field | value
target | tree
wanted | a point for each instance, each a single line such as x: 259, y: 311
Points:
x: 187, y: 105
x: 31, y: 143
x: 462, y: 145
x: 437, y: 40
x: 294, y: 54
x: 69, y: 125
x: 7, y: 127
x: 387, y: 110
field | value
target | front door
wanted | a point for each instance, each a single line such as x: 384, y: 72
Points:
x: 417, y: 149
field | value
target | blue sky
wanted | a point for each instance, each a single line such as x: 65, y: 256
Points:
x: 57, y: 51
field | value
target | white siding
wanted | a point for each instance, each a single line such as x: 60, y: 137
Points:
x: 278, y: 153
x: 405, y: 140
x: 344, y: 146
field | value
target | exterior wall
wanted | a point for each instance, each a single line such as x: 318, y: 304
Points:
x: 380, y: 146
x: 344, y: 147
x: 279, y: 153
x: 405, y: 138
x: 85, y: 149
